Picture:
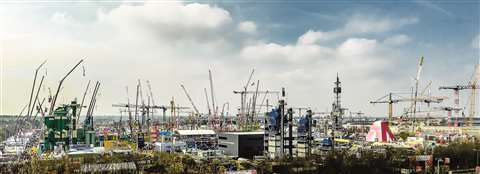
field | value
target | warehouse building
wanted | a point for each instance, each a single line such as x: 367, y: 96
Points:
x: 241, y: 144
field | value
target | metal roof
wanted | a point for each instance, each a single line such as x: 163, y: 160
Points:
x: 195, y: 132
x: 245, y: 133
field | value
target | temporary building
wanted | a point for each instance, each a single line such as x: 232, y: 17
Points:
x: 380, y: 132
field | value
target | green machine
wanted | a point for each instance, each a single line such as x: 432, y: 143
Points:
x: 60, y: 124
x: 60, y: 127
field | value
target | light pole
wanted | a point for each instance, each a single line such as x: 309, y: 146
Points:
x: 439, y: 160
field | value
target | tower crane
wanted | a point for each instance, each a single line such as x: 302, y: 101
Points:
x: 392, y: 98
x: 144, y: 109
x: 426, y: 98
x: 456, y: 92
x: 163, y: 107
x: 473, y: 96
x: 151, y: 94
x: 254, y: 102
x: 243, y: 95
x: 129, y: 113
x: 449, y: 113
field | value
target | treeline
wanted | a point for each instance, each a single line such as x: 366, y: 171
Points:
x: 155, y: 162
x: 342, y: 161
x: 462, y: 154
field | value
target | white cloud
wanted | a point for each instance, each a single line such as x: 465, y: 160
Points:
x: 358, y: 24
x: 247, y: 27
x: 299, y: 53
x: 308, y: 68
x: 352, y: 54
x: 361, y: 23
x: 397, y: 40
x: 357, y: 47
x: 311, y: 37
x: 171, y: 20
x: 173, y: 14
x: 173, y: 43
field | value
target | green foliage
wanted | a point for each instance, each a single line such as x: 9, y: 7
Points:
x: 341, y: 162
x: 403, y: 135
x: 461, y: 154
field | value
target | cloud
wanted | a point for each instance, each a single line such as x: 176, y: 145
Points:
x: 247, y: 27
x: 284, y: 53
x: 361, y: 23
x: 356, y: 25
x: 311, y: 37
x: 397, y: 40
x: 309, y: 69
x: 173, y: 14
x: 172, y: 43
x: 351, y: 54
x: 171, y: 20
x: 354, y: 47
x: 146, y: 41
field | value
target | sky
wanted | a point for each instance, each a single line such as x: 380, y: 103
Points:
x: 374, y: 47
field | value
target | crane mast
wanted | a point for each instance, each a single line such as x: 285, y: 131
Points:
x: 473, y: 96
x: 393, y: 98
x: 212, y: 94
x: 417, y: 79
x: 150, y: 98
x: 129, y: 112
x: 456, y: 92
x: 243, y: 94
x: 208, y: 104
x: 190, y: 99
x: 243, y: 98
x: 197, y: 112
x: 144, y: 109
x: 214, y: 107
x: 83, y: 99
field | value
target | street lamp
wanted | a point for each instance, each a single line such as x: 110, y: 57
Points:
x: 439, y: 160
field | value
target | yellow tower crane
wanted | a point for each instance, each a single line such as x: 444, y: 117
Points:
x: 473, y: 96
x: 392, y: 98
